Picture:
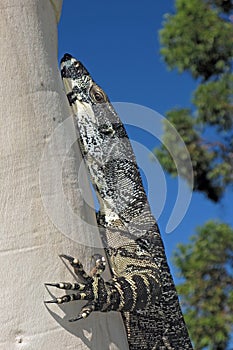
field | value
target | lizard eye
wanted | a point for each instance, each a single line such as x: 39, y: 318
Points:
x: 98, y: 97
x: 97, y: 94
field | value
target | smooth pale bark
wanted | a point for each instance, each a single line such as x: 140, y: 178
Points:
x: 43, y: 213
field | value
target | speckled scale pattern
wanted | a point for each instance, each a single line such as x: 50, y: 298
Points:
x: 141, y: 287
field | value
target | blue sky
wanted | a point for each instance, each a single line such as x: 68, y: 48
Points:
x: 118, y: 43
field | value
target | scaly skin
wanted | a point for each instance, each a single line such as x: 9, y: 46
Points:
x: 141, y: 287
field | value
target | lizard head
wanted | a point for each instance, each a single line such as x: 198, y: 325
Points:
x: 94, y: 116
x: 79, y: 82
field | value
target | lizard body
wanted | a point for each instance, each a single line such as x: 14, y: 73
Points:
x: 141, y: 287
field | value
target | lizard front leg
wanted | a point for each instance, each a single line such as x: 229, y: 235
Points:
x: 86, y: 290
x: 132, y: 287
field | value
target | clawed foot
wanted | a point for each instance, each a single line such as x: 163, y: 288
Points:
x: 88, y: 290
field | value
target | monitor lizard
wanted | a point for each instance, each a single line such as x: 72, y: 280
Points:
x: 141, y: 287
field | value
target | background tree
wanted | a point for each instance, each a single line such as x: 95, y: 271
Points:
x: 198, y: 38
x: 206, y: 264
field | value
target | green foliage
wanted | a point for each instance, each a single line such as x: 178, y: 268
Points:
x: 214, y: 102
x: 198, y: 38
x: 206, y: 264
x: 206, y: 178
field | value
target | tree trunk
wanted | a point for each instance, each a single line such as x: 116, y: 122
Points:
x: 43, y: 213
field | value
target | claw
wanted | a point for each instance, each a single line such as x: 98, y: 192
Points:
x: 67, y: 257
x: 52, y: 284
x: 55, y: 301
x: 84, y: 314
x: 76, y: 318
x: 73, y: 261
x: 64, y: 285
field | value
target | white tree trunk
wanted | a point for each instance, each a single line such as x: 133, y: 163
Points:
x: 42, y: 210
